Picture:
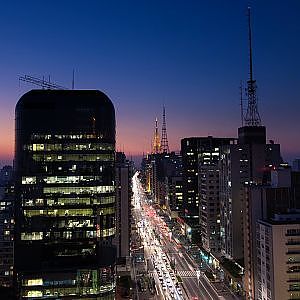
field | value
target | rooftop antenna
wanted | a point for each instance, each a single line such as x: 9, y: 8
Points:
x: 241, y: 103
x: 73, y: 80
x: 252, y: 117
x: 164, y: 137
x: 44, y: 84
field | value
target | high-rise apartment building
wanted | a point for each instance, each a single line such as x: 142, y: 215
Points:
x: 262, y: 202
x: 7, y: 237
x: 189, y: 152
x: 197, y: 152
x: 65, y: 195
x: 159, y: 171
x: 172, y: 172
x: 245, y: 163
x: 208, y: 181
x: 278, y: 259
x: 124, y: 173
x: 175, y: 195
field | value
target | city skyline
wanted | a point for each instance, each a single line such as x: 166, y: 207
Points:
x: 146, y: 55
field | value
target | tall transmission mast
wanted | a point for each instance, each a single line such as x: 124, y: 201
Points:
x: 164, y: 137
x: 252, y: 117
x: 156, y: 140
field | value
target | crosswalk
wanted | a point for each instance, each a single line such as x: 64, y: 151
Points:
x: 186, y: 274
x: 183, y: 274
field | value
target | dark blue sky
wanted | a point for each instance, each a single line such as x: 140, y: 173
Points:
x: 188, y: 55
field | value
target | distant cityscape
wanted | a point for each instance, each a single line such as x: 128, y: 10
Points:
x: 219, y: 219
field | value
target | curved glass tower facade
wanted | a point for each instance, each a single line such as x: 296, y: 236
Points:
x: 65, y: 186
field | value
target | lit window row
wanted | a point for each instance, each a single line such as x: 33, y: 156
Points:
x: 106, y: 232
x: 58, y: 212
x: 74, y: 235
x: 69, y: 201
x: 80, y: 190
x: 63, y: 147
x: 68, y: 212
x: 79, y: 223
x: 70, y: 179
x: 34, y: 236
x: 73, y: 157
x: 28, y: 180
x: 68, y: 291
x: 31, y: 236
x: 33, y: 282
x: 66, y: 136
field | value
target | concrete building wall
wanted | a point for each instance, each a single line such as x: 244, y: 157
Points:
x: 278, y: 261
x: 231, y: 205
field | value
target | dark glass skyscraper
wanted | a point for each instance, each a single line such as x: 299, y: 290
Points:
x: 65, y: 188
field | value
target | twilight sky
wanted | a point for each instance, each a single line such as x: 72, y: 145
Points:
x: 188, y: 55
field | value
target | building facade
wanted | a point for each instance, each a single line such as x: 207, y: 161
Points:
x: 124, y: 173
x: 198, y: 152
x: 65, y: 195
x: 7, y: 236
x: 263, y: 202
x: 162, y: 175
x: 244, y: 163
x: 278, y: 260
x: 209, y: 192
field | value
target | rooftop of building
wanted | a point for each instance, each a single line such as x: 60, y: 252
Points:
x: 65, y: 112
x: 293, y: 217
x: 48, y: 98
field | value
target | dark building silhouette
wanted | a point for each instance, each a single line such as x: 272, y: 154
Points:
x: 124, y: 173
x: 6, y: 174
x: 65, y: 195
x: 162, y: 176
x: 6, y: 231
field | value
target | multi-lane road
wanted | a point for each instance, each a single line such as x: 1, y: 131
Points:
x: 176, y: 275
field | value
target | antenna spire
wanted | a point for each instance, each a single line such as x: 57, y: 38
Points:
x: 156, y: 141
x: 164, y: 137
x: 250, y: 45
x: 252, y: 117
x: 73, y: 79
x: 241, y: 103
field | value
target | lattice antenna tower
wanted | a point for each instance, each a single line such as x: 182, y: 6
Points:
x: 164, y: 136
x: 252, y: 117
x: 156, y: 147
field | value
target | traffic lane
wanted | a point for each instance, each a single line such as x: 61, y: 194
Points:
x: 207, y: 291
x: 189, y: 260
x: 190, y: 284
x: 181, y: 262
x: 192, y: 289
x: 207, y: 286
x: 167, y: 278
x: 184, y: 263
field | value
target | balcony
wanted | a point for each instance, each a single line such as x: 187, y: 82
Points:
x: 293, y: 251
x: 293, y: 242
